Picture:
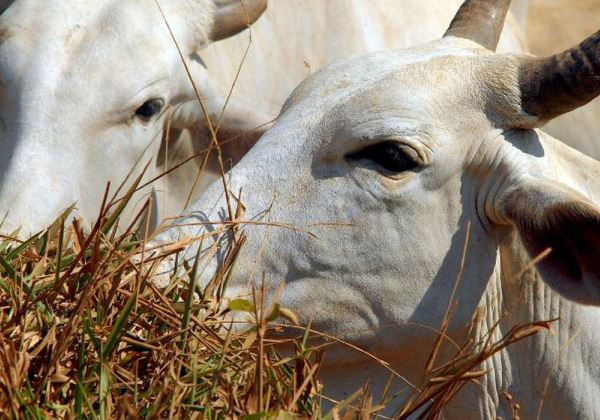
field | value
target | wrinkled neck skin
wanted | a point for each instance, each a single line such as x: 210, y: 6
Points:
x: 550, y: 375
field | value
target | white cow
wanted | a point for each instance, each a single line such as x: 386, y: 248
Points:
x: 84, y: 90
x: 296, y: 37
x: 86, y: 86
x: 387, y: 159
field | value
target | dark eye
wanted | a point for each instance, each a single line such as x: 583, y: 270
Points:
x: 387, y: 155
x: 150, y: 108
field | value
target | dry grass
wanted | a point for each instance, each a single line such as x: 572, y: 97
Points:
x: 84, y: 333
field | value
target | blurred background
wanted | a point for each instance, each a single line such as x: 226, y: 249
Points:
x: 554, y: 25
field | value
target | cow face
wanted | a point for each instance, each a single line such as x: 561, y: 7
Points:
x: 380, y: 168
x: 85, y: 88
x: 365, y: 174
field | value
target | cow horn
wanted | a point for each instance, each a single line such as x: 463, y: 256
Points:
x: 480, y: 21
x: 233, y: 16
x: 555, y: 85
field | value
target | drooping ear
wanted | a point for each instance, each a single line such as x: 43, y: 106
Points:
x: 238, y: 129
x: 550, y: 215
x: 183, y: 147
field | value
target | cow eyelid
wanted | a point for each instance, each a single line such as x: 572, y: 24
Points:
x: 390, y: 156
x: 150, y: 109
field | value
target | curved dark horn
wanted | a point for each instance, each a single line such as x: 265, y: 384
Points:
x: 233, y: 16
x: 555, y: 85
x: 480, y: 21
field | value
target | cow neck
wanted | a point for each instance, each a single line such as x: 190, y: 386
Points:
x: 550, y: 375
x: 553, y: 374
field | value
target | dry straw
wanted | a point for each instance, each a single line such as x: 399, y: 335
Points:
x: 83, y: 333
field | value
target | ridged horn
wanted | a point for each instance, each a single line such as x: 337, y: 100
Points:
x: 480, y: 21
x: 233, y: 16
x: 555, y: 85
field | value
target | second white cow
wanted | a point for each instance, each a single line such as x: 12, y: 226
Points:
x: 85, y: 88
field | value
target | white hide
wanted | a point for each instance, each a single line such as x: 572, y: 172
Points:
x: 73, y: 73
x: 297, y: 37
x: 371, y: 257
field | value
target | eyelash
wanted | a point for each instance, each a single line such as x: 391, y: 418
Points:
x: 150, y: 109
x: 387, y: 155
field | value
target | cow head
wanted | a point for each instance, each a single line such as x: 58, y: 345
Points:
x: 85, y: 88
x: 361, y: 196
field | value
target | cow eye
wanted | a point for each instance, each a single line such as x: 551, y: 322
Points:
x: 387, y: 155
x: 149, y: 109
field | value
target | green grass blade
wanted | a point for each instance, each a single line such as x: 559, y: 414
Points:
x: 103, y: 391
x: 114, y: 217
x: 80, y: 376
x: 88, y: 329
x: 59, y: 253
x: 5, y: 244
x: 58, y: 224
x: 118, y: 328
x: 7, y: 268
x: 22, y: 247
x: 187, y: 312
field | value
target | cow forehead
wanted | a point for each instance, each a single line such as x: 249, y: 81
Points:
x: 66, y: 26
x: 357, y: 77
x: 53, y: 17
x: 57, y: 18
x: 417, y: 85
x: 70, y: 46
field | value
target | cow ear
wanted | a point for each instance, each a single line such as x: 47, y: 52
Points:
x: 238, y: 131
x: 235, y: 119
x: 239, y: 128
x: 550, y: 215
